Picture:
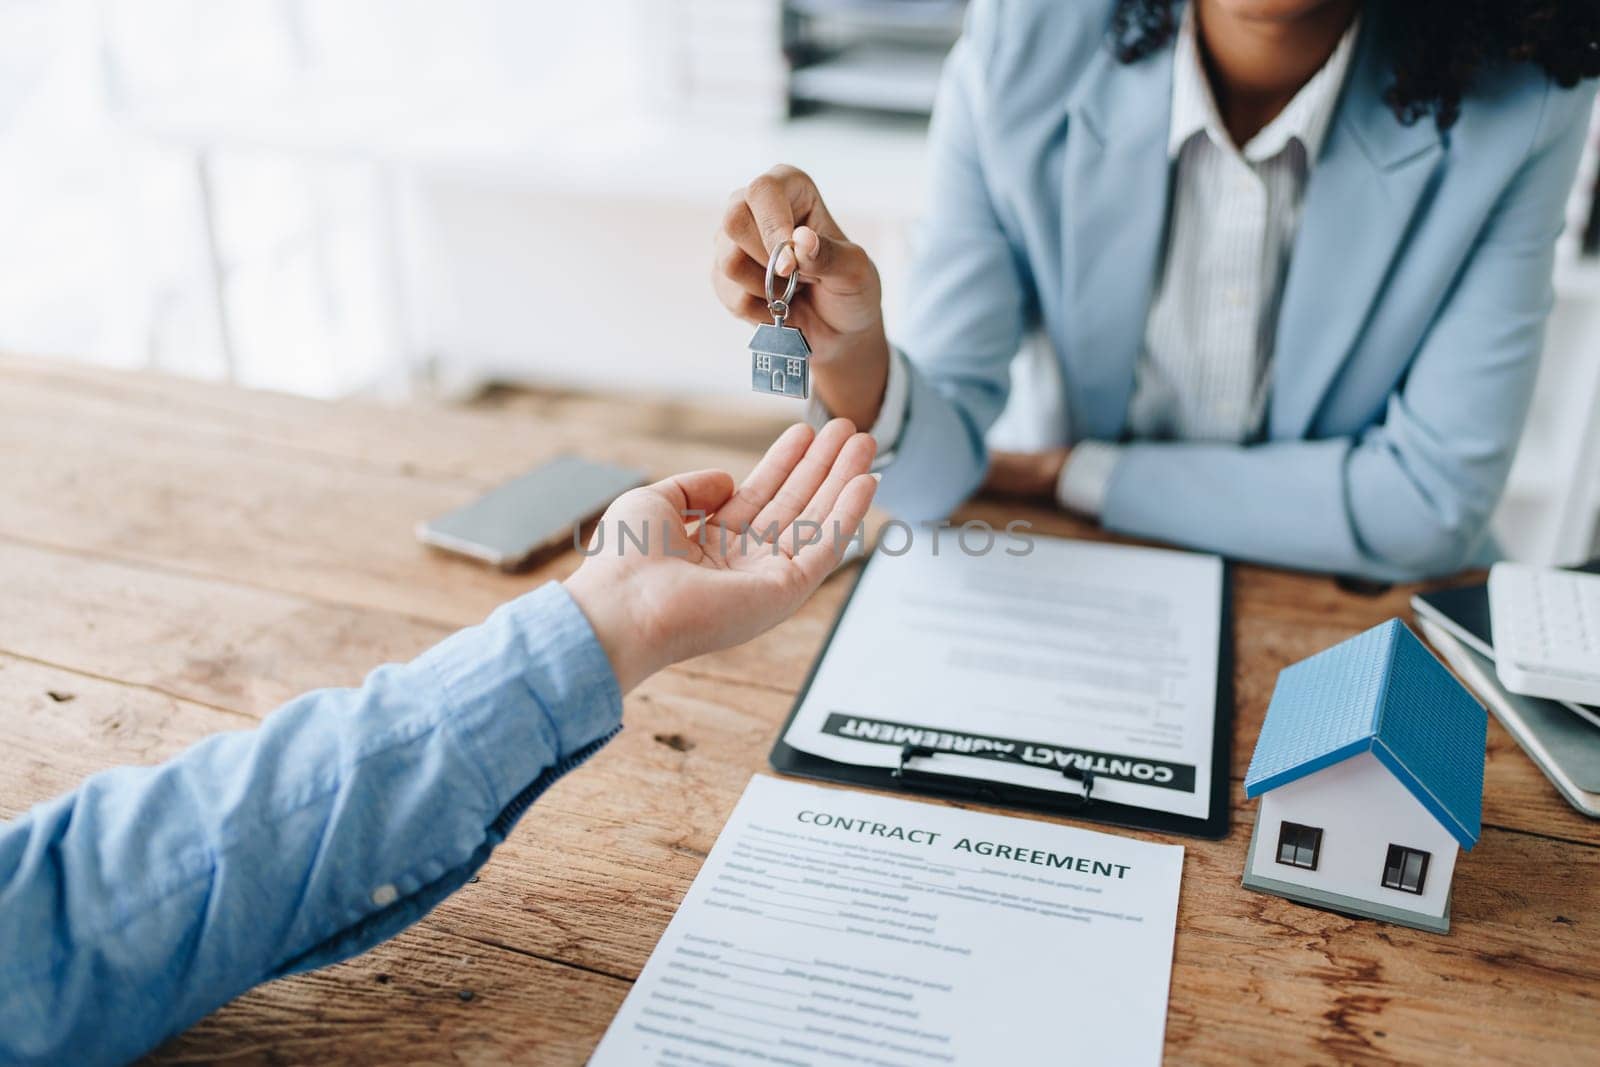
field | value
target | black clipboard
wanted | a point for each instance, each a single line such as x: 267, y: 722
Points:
x: 909, y: 779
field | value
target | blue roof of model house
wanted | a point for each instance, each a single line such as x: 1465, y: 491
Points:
x: 1380, y: 692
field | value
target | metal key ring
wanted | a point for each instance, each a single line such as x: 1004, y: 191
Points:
x: 780, y: 308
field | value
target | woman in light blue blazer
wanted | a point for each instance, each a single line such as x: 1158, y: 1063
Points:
x: 1292, y: 257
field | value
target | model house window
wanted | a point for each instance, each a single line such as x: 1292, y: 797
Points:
x: 1405, y: 869
x: 794, y: 367
x: 1299, y: 846
x: 763, y: 363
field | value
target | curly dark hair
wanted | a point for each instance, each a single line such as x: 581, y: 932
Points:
x: 1438, y: 46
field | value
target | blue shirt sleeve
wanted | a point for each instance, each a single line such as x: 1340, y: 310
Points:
x: 135, y: 905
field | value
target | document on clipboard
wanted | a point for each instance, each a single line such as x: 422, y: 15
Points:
x: 1093, y: 673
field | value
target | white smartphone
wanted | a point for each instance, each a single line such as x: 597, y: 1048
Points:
x: 511, y: 522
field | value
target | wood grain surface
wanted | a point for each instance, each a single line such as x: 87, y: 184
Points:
x: 177, y: 559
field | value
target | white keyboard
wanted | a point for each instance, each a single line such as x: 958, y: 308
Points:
x: 1546, y: 626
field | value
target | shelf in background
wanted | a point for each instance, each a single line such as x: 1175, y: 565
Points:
x: 925, y: 16
x: 872, y: 76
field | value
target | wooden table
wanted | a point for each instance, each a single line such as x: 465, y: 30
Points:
x: 177, y: 559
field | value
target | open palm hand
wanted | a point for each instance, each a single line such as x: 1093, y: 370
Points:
x: 691, y: 564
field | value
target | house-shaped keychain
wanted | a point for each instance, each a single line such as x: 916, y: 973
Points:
x: 1370, y: 772
x: 780, y: 359
x: 780, y: 362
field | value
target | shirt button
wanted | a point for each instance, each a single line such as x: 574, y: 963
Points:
x: 385, y: 895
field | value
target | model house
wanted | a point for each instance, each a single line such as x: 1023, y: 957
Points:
x: 780, y: 362
x: 1370, y: 772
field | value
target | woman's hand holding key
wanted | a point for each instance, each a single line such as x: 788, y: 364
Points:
x: 839, y: 309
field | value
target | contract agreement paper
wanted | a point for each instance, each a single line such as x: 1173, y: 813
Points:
x: 1012, y: 667
x: 837, y: 927
x: 834, y: 927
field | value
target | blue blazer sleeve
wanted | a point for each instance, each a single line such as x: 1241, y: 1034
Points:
x: 150, y: 896
x: 1412, y: 496
x: 970, y: 306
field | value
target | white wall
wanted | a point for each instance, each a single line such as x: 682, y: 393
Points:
x: 1549, y: 511
x: 1362, y: 809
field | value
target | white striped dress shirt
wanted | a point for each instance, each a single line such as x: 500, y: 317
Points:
x: 1206, y: 366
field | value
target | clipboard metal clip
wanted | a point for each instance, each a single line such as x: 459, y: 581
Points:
x: 962, y: 785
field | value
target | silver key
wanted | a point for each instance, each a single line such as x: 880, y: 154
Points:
x: 780, y: 359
